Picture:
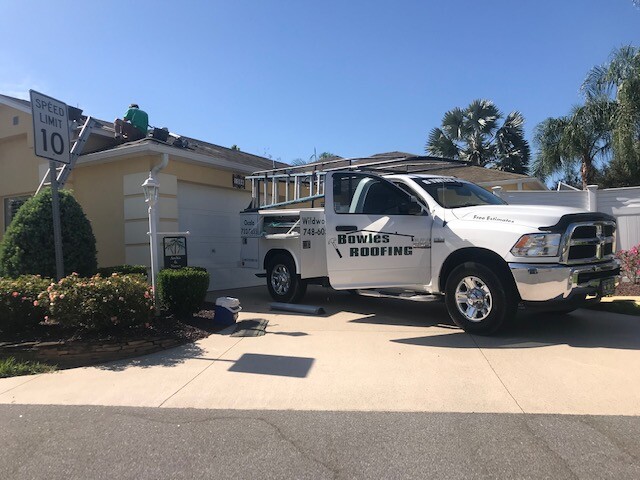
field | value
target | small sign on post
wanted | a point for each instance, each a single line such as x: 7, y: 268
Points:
x: 175, y: 252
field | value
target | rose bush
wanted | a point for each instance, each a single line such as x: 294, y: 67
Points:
x: 630, y: 263
x: 20, y: 307
x: 97, y: 303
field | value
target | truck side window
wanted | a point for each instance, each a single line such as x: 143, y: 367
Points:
x: 358, y: 193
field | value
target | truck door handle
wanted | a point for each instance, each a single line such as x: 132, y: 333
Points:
x: 346, y: 228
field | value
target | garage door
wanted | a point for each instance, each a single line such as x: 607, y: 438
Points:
x: 212, y: 216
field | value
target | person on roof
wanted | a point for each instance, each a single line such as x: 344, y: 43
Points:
x: 134, y: 124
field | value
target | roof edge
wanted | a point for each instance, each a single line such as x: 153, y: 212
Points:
x: 4, y: 100
x: 147, y: 147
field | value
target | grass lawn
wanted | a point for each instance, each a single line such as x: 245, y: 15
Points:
x: 10, y: 367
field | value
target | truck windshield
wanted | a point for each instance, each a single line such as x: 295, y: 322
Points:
x: 452, y: 194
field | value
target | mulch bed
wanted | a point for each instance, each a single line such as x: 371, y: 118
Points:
x: 184, y: 329
x: 626, y: 289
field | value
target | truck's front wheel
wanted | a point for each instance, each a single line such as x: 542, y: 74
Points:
x: 478, y: 300
x: 282, y: 281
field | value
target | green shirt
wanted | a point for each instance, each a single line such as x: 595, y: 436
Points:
x: 138, y: 119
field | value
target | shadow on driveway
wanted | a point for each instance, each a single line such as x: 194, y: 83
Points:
x: 582, y: 328
x: 165, y: 358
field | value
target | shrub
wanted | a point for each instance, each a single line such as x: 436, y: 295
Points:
x: 123, y: 270
x: 10, y: 367
x: 20, y: 307
x: 182, y: 291
x: 27, y: 246
x: 98, y: 303
x: 630, y: 263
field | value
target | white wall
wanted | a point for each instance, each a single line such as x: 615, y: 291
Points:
x: 622, y: 203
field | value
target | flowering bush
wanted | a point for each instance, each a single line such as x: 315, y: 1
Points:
x: 118, y: 301
x: 123, y: 270
x: 630, y: 263
x: 20, y: 308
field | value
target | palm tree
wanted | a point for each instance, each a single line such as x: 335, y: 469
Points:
x: 619, y: 80
x: 581, y: 138
x: 475, y: 136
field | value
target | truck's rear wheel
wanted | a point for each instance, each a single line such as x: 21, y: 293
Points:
x: 282, y: 281
x: 478, y: 300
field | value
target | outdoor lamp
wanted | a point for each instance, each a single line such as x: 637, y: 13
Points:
x: 150, y: 188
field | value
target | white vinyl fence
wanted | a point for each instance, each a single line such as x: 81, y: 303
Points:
x: 622, y: 203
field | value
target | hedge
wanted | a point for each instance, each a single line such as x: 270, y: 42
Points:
x: 182, y: 291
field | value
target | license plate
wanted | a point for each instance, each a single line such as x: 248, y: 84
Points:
x: 607, y: 287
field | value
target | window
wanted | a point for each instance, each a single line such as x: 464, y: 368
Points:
x: 452, y: 194
x: 358, y: 193
x: 11, y: 206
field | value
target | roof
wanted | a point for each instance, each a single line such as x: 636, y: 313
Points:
x: 477, y: 174
x: 26, y: 103
x: 18, y: 103
x: 192, y: 145
x: 403, y: 162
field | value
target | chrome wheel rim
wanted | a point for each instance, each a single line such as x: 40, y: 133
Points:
x: 473, y: 299
x: 280, y: 279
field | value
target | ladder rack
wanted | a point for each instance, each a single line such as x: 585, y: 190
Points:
x: 305, y: 183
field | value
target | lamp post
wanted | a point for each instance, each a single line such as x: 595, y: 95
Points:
x: 151, y: 188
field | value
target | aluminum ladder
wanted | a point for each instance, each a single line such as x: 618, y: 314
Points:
x: 63, y: 172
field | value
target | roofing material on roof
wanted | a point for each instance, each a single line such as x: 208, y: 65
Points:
x: 194, y: 145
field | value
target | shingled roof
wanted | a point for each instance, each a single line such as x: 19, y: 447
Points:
x: 186, y: 144
x: 411, y: 163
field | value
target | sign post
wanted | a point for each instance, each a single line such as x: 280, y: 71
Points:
x: 51, y: 140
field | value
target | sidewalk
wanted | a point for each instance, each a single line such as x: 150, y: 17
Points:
x: 371, y: 355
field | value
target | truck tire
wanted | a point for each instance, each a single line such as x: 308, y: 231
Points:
x: 283, y: 282
x: 478, y: 300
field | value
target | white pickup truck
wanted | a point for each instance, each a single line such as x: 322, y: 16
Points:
x: 421, y: 237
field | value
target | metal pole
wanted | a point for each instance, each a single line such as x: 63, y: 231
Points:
x: 57, y: 229
x: 153, y: 247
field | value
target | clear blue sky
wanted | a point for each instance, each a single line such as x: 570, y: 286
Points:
x: 282, y: 77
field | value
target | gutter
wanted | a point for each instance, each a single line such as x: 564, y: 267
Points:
x: 147, y: 147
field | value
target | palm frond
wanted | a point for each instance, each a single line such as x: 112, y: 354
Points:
x: 440, y: 145
x: 453, y: 124
x: 482, y: 116
x: 623, y: 63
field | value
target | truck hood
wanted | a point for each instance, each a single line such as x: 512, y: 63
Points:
x: 532, y: 216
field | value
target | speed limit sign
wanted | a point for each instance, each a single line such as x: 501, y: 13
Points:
x: 50, y: 127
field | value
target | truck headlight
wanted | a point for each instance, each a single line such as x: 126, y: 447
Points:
x: 537, y: 245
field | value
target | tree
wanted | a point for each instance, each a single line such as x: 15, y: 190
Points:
x: 579, y: 139
x: 475, y: 135
x: 27, y: 246
x: 618, y: 80
x: 323, y: 157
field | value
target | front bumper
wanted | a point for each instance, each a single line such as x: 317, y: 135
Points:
x: 541, y: 283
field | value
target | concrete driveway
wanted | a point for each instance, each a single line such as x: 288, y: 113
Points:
x: 369, y: 354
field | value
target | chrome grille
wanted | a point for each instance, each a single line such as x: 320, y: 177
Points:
x: 588, y: 243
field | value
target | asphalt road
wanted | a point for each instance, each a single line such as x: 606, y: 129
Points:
x: 80, y: 442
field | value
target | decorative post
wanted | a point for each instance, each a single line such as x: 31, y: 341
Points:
x: 151, y: 188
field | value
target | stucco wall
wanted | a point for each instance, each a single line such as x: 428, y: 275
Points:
x: 19, y: 167
x: 100, y: 191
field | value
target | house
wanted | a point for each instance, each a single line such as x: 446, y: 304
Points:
x: 201, y: 191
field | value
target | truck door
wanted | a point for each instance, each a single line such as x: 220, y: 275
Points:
x: 377, y: 235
